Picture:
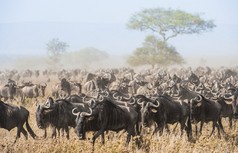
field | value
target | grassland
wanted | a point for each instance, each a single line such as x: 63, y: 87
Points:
x: 167, y: 143
x: 116, y: 142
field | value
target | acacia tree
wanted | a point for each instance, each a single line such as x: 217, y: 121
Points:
x: 55, y: 48
x: 155, y: 51
x: 169, y: 23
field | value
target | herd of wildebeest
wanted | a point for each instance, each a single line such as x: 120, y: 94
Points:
x: 120, y: 99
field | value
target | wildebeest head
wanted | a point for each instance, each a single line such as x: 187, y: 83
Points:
x: 80, y: 121
x: 40, y: 118
x: 150, y: 109
x: 65, y: 86
x: 235, y: 107
x: 196, y: 104
x: 11, y: 88
x: 232, y: 100
x: 42, y: 88
x: 43, y: 113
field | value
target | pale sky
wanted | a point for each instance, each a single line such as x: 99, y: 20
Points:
x: 27, y: 25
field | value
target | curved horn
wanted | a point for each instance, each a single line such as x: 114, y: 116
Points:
x: 158, y: 104
x: 176, y: 95
x: 92, y: 101
x: 200, y: 98
x: 106, y: 93
x: 84, y: 101
x: 101, y: 98
x: 115, y: 97
x: 139, y: 101
x: 47, y: 106
x: 225, y: 96
x: 76, y: 114
x: 48, y: 103
x: 86, y: 114
x: 229, y: 100
x: 127, y: 99
x: 133, y: 101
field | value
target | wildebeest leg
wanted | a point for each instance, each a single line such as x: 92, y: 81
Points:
x: 182, y: 126
x: 58, y: 130
x: 196, y: 129
x: 234, y: 124
x: 230, y: 122
x: 19, y: 127
x: 53, y: 135
x: 62, y: 130
x: 173, y: 131
x: 102, y: 138
x: 45, y: 134
x: 130, y: 132
x: 97, y: 134
x: 201, y: 125
x: 221, y: 126
x: 167, y: 128
x: 155, y: 131
x: 24, y: 133
x: 67, y: 132
x: 137, y: 128
x: 214, y: 124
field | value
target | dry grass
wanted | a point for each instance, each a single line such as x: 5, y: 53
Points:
x: 166, y: 143
x: 171, y: 143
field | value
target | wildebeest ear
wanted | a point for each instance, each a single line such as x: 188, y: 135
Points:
x: 153, y: 110
x: 199, y: 104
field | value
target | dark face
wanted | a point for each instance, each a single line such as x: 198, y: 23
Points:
x: 195, y: 106
x: 79, y: 129
x: 40, y: 117
x: 146, y: 115
x: 42, y: 89
x: 235, y: 107
x: 12, y: 89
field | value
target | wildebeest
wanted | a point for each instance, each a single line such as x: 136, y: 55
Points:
x: 227, y: 104
x: 205, y: 110
x: 65, y: 86
x: 13, y: 116
x: 32, y: 91
x: 9, y: 90
x: 164, y: 111
x: 57, y: 113
x: 108, y: 116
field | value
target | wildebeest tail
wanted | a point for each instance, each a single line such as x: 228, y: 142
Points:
x: 30, y: 130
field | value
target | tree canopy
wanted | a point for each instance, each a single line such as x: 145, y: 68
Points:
x: 55, y: 48
x: 169, y: 23
x: 155, y: 51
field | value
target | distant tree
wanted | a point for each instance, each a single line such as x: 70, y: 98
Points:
x: 155, y: 51
x: 55, y: 48
x: 169, y: 23
x: 165, y: 24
